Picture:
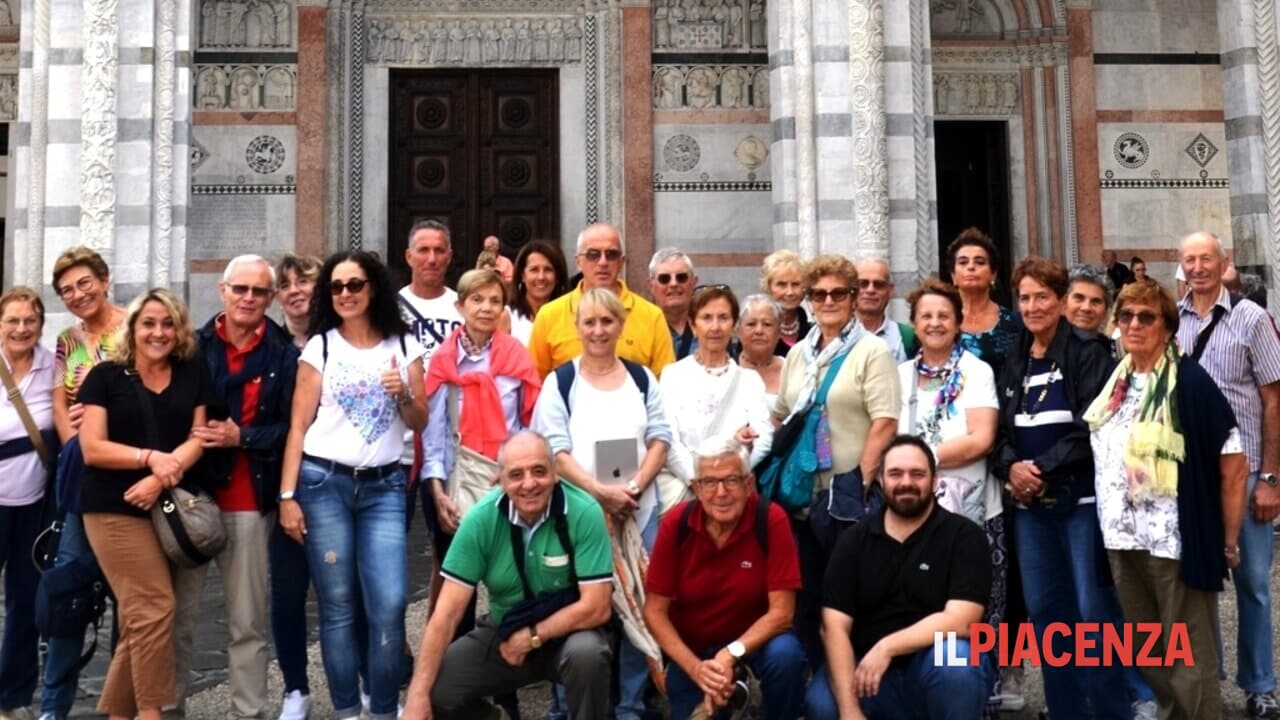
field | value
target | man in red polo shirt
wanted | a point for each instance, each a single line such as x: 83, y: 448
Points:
x: 721, y: 590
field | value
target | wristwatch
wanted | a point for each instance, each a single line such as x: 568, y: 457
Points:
x: 285, y: 495
x: 736, y: 649
x: 535, y: 642
x: 633, y: 487
x: 1231, y: 551
x: 1270, y: 479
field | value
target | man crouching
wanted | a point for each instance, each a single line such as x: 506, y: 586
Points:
x: 546, y: 612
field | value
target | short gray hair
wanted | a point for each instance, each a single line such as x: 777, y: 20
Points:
x: 239, y: 260
x: 665, y: 254
x: 430, y: 224
x: 1217, y: 241
x: 621, y: 244
x: 542, y: 440
x: 1095, y: 275
x: 718, y: 446
x: 754, y: 299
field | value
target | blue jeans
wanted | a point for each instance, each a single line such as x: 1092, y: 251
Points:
x: 62, y: 653
x: 779, y: 666
x: 355, y: 546
x: 919, y: 691
x: 1255, y: 672
x: 1059, y: 557
x: 19, y: 651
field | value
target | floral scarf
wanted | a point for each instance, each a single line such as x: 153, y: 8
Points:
x: 1155, y: 445
x: 944, y: 403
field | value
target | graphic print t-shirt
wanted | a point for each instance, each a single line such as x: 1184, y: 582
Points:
x: 432, y: 320
x: 357, y: 423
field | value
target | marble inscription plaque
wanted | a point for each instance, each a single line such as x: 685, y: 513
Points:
x: 223, y: 226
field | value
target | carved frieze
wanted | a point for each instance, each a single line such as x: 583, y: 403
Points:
x: 1028, y: 55
x: 963, y: 17
x: 245, y: 87
x: 709, y: 25
x: 976, y: 94
x: 476, y: 41
x: 701, y: 87
x: 246, y: 24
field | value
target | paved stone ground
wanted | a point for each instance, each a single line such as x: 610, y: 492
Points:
x: 211, y: 699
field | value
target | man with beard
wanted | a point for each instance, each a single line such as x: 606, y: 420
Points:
x: 892, y: 583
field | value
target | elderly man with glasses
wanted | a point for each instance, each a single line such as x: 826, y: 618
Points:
x: 722, y: 588
x: 671, y: 281
x: 645, y: 337
x: 875, y: 290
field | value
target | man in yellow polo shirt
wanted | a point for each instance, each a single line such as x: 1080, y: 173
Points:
x: 645, y: 338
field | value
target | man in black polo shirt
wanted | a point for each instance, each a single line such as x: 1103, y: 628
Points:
x: 892, y: 582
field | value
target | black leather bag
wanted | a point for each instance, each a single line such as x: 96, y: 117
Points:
x: 70, y: 597
x: 843, y: 505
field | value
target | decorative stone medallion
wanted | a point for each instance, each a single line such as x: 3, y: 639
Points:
x: 198, y: 154
x: 751, y: 152
x: 681, y: 153
x: 1201, y: 150
x: 1131, y: 150
x: 265, y: 154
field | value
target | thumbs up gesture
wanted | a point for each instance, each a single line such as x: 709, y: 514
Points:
x: 393, y: 382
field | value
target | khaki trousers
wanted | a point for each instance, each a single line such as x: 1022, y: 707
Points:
x: 245, y: 584
x: 141, y: 673
x: 1150, y: 590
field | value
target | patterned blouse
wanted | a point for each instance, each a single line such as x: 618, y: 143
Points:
x: 75, y: 356
x: 994, y: 345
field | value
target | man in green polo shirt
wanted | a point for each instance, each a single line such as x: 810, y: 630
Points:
x: 532, y: 511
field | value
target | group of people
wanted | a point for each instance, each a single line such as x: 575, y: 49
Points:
x: 654, y: 494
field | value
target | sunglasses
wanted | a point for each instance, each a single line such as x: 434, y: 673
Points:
x: 594, y: 255
x: 1145, y: 318
x: 666, y: 278
x: 837, y: 295
x: 258, y: 292
x: 353, y: 286
x: 877, y: 284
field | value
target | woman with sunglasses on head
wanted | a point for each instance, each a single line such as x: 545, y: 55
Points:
x: 708, y: 395
x: 30, y: 369
x: 861, y: 409
x: 342, y: 489
x: 541, y: 276
x: 81, y: 279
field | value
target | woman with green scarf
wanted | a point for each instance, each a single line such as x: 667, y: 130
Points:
x: 1170, y: 480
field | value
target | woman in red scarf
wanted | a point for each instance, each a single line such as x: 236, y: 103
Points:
x: 481, y: 387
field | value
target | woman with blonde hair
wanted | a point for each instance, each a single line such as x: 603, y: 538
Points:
x: 782, y: 276
x: 126, y: 470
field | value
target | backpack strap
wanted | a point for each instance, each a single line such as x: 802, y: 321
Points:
x: 638, y: 376
x: 324, y: 350
x: 761, y: 529
x: 410, y: 309
x: 1202, y: 340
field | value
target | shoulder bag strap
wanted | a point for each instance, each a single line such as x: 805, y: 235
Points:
x: 28, y: 422
x: 913, y: 401
x: 832, y: 370
x: 1202, y: 340
x: 517, y: 554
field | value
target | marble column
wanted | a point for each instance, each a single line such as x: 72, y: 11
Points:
x: 852, y: 150
x: 1251, y: 103
x: 101, y: 151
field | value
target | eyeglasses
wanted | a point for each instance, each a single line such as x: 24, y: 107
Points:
x: 837, y: 295
x: 84, y: 285
x: 287, y: 285
x: 13, y: 322
x: 869, y: 283
x: 666, y: 278
x: 733, y: 482
x: 353, y: 286
x: 717, y: 286
x: 594, y: 254
x: 1145, y: 318
x: 258, y: 292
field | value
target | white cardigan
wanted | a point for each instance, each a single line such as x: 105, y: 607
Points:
x: 692, y: 397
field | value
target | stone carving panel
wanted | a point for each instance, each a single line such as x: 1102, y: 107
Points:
x: 246, y: 24
x: 963, y: 17
x: 475, y: 41
x: 8, y: 98
x: 709, y: 25
x: 976, y: 94
x: 702, y: 87
x: 246, y: 87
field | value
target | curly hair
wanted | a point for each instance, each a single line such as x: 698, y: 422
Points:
x: 824, y: 265
x: 384, y: 310
x: 125, y: 352
x: 1149, y: 292
x: 1094, y: 275
x: 778, y: 261
x: 80, y: 256
x: 973, y: 237
x: 552, y: 253
x: 934, y: 286
x: 1050, y: 273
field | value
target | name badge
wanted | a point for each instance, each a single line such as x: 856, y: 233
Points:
x: 556, y: 561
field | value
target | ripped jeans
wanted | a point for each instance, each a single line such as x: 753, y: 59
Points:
x: 356, y: 548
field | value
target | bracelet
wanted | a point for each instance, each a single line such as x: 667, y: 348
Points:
x: 147, y: 460
x: 403, y: 400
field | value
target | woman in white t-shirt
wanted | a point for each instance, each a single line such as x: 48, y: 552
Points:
x: 342, y: 489
x: 609, y: 399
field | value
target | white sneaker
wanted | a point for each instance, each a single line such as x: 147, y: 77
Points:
x: 296, y: 706
x: 1010, y: 696
x: 1144, y: 710
x: 364, y: 705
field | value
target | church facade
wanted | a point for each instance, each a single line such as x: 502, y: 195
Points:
x: 172, y: 135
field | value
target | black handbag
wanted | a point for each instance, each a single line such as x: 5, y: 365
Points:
x: 843, y: 505
x: 70, y: 598
x: 536, y: 608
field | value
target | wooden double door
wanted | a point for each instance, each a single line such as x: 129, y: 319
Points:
x: 476, y: 150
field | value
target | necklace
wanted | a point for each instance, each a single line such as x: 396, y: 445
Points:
x: 713, y: 371
x: 592, y: 371
x: 790, y: 328
x: 1044, y: 390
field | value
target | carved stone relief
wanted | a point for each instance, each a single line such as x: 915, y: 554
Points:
x: 975, y: 94
x: 244, y: 24
x: 709, y: 25
x: 8, y: 18
x: 701, y: 87
x: 476, y: 41
x: 963, y: 17
x: 1029, y: 55
x: 8, y: 98
x: 245, y: 87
